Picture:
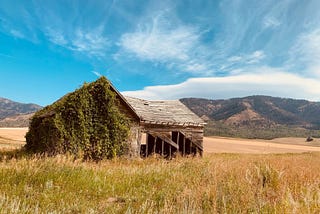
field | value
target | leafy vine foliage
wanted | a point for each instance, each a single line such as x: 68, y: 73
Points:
x: 86, y: 122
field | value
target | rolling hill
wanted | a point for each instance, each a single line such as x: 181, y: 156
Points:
x: 255, y: 114
x: 15, y: 114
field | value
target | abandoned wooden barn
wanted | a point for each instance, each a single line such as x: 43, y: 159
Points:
x: 99, y: 122
x: 165, y: 128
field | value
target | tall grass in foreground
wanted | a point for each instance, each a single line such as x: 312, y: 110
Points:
x: 217, y: 183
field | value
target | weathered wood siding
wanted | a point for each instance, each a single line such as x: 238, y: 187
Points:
x: 134, y: 140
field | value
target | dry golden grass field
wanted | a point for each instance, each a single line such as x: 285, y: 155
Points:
x: 278, y: 145
x: 216, y: 183
x: 11, y: 138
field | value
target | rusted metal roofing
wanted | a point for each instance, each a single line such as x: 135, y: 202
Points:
x: 169, y: 112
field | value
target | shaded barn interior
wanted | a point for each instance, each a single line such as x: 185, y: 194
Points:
x: 167, y: 128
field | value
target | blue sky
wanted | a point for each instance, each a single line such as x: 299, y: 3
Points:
x: 160, y: 49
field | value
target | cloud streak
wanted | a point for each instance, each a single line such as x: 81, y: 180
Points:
x: 96, y: 73
x: 64, y: 27
x: 162, y: 41
x: 271, y: 22
x: 306, y: 53
x: 267, y: 82
x: 247, y: 59
x: 91, y: 42
x: 160, y: 44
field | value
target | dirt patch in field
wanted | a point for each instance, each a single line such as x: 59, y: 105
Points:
x: 280, y: 145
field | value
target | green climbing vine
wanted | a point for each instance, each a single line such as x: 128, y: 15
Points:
x: 86, y: 122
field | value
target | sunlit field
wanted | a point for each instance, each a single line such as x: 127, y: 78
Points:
x: 287, y: 183
x: 12, y: 138
x: 216, y: 183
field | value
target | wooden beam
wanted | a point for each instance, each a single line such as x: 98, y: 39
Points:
x: 154, y: 127
x: 154, y: 145
x: 184, y: 147
x: 169, y: 151
x: 178, y: 138
x: 147, y: 142
x: 195, y: 142
x: 162, y: 147
x: 139, y: 142
x: 166, y: 139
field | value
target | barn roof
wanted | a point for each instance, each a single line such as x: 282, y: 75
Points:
x: 169, y: 112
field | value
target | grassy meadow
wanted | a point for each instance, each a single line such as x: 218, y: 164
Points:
x: 216, y: 183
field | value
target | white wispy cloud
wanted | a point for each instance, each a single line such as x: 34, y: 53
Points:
x: 252, y: 58
x: 96, y: 73
x: 235, y: 59
x: 17, y: 34
x: 194, y: 66
x: 255, y: 57
x: 270, y: 22
x: 161, y: 41
x: 91, y: 42
x: 160, y: 44
x: 268, y: 81
x: 308, y: 45
x: 306, y: 51
x: 56, y: 37
x: 239, y: 63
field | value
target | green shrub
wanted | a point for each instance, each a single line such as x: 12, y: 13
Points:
x: 85, y: 122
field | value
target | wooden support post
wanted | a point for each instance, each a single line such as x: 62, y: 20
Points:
x: 147, y: 142
x: 184, y: 147
x: 162, y: 147
x: 178, y: 138
x: 170, y: 151
x: 154, y: 145
x: 190, y: 147
x: 139, y: 141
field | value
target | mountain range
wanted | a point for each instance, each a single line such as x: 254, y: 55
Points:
x: 15, y: 114
x: 250, y: 116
